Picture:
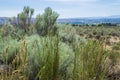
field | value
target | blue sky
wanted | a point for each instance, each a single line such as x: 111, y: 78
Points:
x: 66, y: 8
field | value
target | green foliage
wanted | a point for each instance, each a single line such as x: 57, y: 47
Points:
x: 7, y: 30
x: 46, y: 23
x: 89, y: 61
x: 47, y: 57
x: 24, y: 18
x: 67, y: 33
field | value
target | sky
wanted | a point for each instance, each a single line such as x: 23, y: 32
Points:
x: 65, y: 8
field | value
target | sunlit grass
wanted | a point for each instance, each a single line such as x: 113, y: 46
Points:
x: 50, y: 58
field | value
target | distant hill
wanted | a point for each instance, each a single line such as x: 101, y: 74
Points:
x: 114, y: 16
x: 3, y: 20
x: 115, y: 19
x: 90, y: 20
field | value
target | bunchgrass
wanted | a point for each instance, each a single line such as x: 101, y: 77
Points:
x: 89, y: 61
x: 48, y: 58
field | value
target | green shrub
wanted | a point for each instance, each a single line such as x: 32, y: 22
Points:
x: 24, y: 18
x: 46, y: 23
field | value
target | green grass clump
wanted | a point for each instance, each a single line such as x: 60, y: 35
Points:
x: 89, y: 61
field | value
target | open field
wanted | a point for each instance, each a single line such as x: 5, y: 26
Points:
x: 45, y: 50
x: 77, y: 53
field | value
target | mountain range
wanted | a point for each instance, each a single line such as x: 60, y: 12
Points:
x: 87, y: 20
x: 92, y: 20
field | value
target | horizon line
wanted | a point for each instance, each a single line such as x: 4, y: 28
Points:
x: 112, y: 16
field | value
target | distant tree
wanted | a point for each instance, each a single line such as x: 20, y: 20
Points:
x: 74, y: 25
x: 109, y: 24
x: 46, y: 23
x: 93, y: 25
x: 100, y: 25
x: 87, y: 25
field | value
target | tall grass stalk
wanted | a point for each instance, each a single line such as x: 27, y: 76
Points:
x: 89, y: 61
x: 50, y: 69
